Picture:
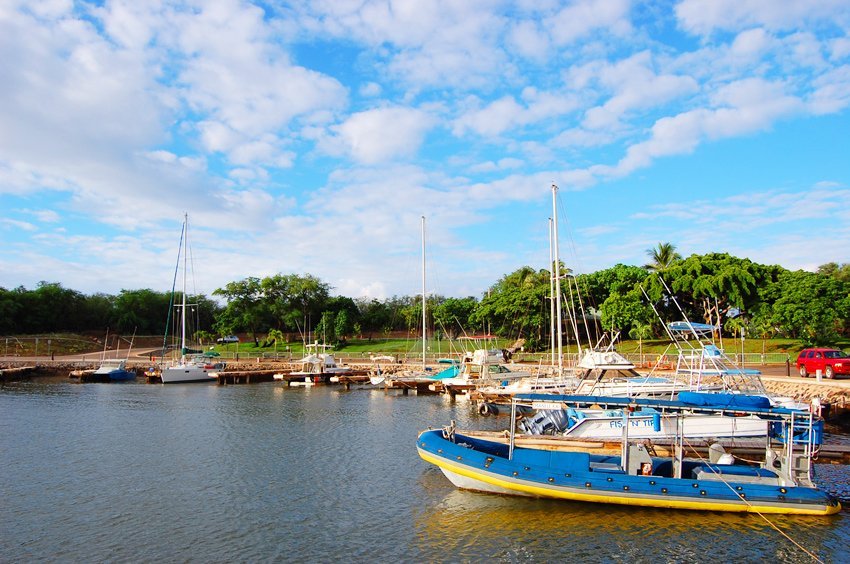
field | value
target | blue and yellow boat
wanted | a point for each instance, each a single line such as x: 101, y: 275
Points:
x: 781, y: 483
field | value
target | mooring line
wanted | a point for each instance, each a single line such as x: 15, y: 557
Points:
x: 753, y: 509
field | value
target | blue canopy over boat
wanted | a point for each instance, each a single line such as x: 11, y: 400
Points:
x: 718, y: 400
x: 683, y: 326
x: 450, y: 372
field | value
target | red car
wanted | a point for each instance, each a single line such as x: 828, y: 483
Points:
x: 829, y: 361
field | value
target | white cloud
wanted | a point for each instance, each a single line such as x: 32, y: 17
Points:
x: 506, y: 113
x: 382, y: 134
x: 832, y: 91
x: 45, y: 216
x: 157, y: 107
x: 742, y: 107
x: 496, y: 166
x: 751, y: 44
x: 17, y: 224
x: 704, y: 16
x: 493, y: 119
x: 759, y: 225
x: 527, y: 38
x: 583, y: 17
x: 370, y: 89
x: 636, y: 86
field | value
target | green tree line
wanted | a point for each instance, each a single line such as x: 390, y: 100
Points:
x: 717, y: 288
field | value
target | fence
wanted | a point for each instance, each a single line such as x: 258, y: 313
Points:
x: 570, y: 359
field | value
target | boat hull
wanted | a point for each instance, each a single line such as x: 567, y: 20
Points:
x: 598, y: 426
x: 122, y: 375
x: 484, y: 466
x: 188, y: 375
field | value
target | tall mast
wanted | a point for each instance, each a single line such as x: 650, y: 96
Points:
x: 557, y: 278
x: 183, y: 301
x: 551, y: 299
x: 424, y: 340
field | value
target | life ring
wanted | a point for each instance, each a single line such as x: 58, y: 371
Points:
x: 484, y: 410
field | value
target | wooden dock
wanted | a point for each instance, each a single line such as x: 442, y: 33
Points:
x: 232, y: 377
x: 16, y: 373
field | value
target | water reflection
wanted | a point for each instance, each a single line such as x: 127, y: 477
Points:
x: 143, y: 472
x: 472, y: 525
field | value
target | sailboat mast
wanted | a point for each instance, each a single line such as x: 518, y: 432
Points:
x: 557, y: 278
x: 424, y: 331
x: 183, y: 301
x: 551, y: 299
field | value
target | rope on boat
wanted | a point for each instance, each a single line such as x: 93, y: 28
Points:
x: 752, y: 509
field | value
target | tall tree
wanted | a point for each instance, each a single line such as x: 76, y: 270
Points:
x: 452, y: 315
x: 811, y: 307
x: 517, y: 306
x: 245, y: 310
x: 840, y: 272
x: 662, y: 257
x: 375, y: 316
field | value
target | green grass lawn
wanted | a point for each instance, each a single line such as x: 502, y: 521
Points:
x: 411, y: 347
x: 68, y: 343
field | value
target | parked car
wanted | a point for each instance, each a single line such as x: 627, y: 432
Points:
x: 829, y: 361
x: 227, y: 339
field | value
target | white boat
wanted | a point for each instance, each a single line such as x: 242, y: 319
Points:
x: 702, y: 365
x: 601, y: 424
x: 602, y: 372
x: 113, y: 369
x: 192, y: 366
x: 316, y: 365
x: 485, y: 367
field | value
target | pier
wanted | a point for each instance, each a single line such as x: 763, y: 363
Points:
x: 15, y: 373
x: 245, y: 377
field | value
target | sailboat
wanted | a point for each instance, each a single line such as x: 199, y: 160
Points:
x: 193, y: 366
x: 113, y: 369
x: 601, y: 370
x: 421, y: 376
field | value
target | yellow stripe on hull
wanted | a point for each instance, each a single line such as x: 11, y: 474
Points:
x: 539, y: 491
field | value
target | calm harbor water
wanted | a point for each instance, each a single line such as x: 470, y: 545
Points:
x: 142, y: 473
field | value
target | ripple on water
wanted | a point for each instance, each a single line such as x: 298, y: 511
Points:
x: 263, y: 472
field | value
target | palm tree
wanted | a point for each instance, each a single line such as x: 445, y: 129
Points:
x: 663, y: 257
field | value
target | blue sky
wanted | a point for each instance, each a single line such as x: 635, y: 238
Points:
x: 309, y: 137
